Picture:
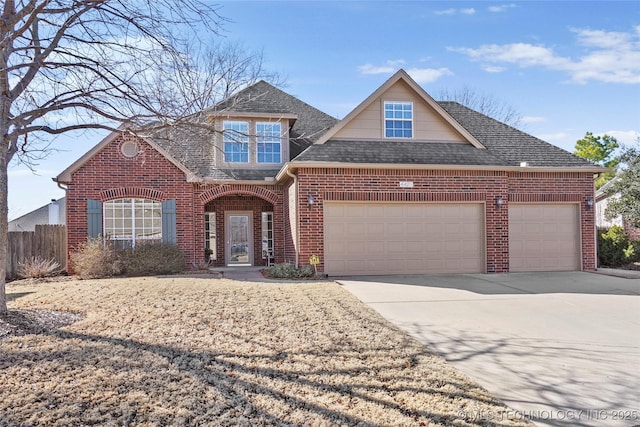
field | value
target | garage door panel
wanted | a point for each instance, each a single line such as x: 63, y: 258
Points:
x: 395, y: 238
x: 543, y: 237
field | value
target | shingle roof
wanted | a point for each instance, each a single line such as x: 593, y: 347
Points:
x: 193, y: 145
x: 505, y: 146
x: 510, y: 144
x: 400, y: 152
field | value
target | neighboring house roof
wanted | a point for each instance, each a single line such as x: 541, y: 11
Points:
x: 602, y: 192
x: 28, y: 221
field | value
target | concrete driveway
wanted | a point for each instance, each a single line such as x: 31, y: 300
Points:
x: 559, y: 348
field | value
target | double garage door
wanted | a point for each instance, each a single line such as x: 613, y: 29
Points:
x: 421, y: 238
x: 403, y: 238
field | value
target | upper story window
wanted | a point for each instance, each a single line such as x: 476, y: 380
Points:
x: 236, y: 141
x: 268, y: 144
x: 398, y: 120
x: 130, y: 221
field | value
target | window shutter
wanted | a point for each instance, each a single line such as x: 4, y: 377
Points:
x: 169, y: 221
x: 94, y: 218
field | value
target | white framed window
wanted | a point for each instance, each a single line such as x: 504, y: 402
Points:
x: 236, y: 141
x: 398, y: 120
x: 210, y: 235
x: 268, y: 145
x: 131, y: 221
x: 267, y: 234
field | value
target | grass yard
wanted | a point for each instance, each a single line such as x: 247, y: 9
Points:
x: 201, y: 351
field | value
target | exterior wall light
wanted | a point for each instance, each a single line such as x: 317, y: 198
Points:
x: 589, y: 203
x: 499, y: 202
x: 310, y: 201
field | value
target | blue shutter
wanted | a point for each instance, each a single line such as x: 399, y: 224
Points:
x: 169, y: 221
x: 94, y: 218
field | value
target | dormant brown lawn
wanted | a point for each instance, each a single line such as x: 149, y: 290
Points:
x: 202, y: 351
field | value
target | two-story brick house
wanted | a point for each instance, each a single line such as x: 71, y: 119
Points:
x: 402, y: 184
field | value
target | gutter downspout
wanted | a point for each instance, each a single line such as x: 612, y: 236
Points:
x: 297, y: 242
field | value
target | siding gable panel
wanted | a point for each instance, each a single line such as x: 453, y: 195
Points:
x: 428, y: 124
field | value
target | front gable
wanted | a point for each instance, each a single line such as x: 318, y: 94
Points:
x: 424, y: 120
x: 120, y: 149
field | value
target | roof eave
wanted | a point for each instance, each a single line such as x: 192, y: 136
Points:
x: 252, y: 114
x: 293, y: 166
x: 212, y: 181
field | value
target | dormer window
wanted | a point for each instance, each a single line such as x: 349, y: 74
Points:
x: 236, y: 141
x: 398, y: 120
x: 268, y: 136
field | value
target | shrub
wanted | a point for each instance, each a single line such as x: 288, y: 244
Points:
x: 290, y: 271
x: 152, y: 258
x: 38, y: 267
x: 96, y: 259
x: 615, y: 249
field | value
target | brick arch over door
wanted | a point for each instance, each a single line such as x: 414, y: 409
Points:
x: 229, y: 190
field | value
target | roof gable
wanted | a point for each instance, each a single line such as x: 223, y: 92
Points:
x: 430, y: 121
x: 65, y: 175
x: 263, y: 98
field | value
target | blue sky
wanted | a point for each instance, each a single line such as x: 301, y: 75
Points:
x: 566, y: 67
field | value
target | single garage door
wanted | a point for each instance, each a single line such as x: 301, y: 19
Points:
x: 544, y: 237
x: 403, y: 238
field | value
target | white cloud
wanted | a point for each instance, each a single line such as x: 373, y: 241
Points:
x: 611, y: 57
x: 453, y: 11
x: 624, y: 137
x: 551, y: 137
x: 493, y: 68
x: 446, y: 12
x: 501, y: 8
x: 428, y: 75
x: 532, y: 119
x: 389, y: 67
x: 420, y: 75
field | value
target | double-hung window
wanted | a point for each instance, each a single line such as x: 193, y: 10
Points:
x: 131, y: 221
x: 398, y: 120
x: 268, y: 145
x: 236, y: 141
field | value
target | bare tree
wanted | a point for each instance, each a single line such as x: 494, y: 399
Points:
x: 483, y: 103
x: 93, y: 64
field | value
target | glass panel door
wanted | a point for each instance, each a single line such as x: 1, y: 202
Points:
x: 238, y: 239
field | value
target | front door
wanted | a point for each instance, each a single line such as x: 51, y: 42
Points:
x: 239, y: 238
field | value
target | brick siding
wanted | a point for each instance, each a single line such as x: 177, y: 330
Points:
x: 444, y: 186
x: 109, y: 175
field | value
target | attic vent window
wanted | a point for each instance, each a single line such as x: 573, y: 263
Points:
x: 129, y: 149
x: 398, y: 120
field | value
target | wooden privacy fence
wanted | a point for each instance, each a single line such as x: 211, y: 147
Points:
x: 47, y: 241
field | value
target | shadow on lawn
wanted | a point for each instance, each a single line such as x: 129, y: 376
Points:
x: 240, y: 380
x: 11, y: 296
x: 550, y: 370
